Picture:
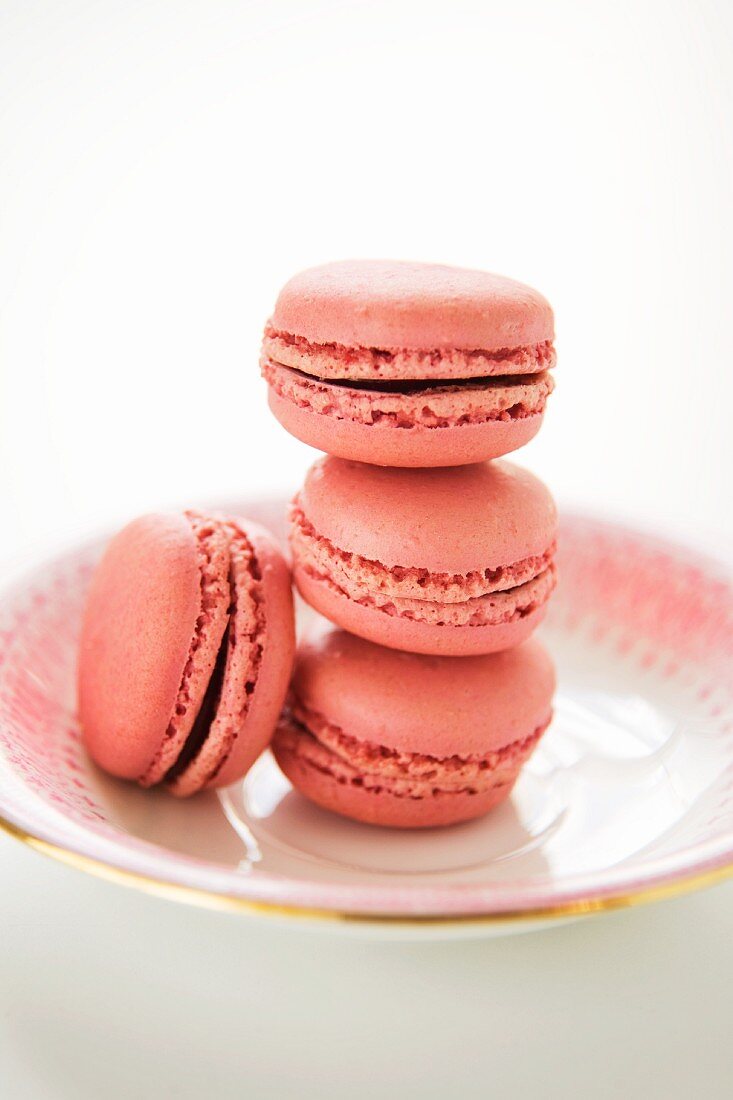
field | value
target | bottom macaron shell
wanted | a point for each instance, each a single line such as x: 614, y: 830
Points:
x: 385, y: 445
x: 397, y: 632
x: 278, y: 648
x: 382, y: 807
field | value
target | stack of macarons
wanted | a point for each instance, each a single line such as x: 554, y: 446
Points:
x: 432, y: 555
x: 432, y: 558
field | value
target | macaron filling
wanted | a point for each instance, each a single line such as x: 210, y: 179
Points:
x: 318, y: 744
x: 202, y: 722
x: 440, y: 403
x: 214, y: 696
x: 487, y: 597
x: 340, y: 363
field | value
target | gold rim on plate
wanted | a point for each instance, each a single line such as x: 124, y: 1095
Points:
x: 193, y: 895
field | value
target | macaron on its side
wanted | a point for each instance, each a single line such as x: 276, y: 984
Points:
x: 408, y: 741
x: 455, y: 561
x: 177, y: 684
x: 378, y: 362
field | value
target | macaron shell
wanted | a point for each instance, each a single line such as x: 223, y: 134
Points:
x: 278, y: 648
x: 438, y: 706
x: 393, y: 304
x: 412, y: 447
x: 405, y: 634
x: 383, y: 808
x: 147, y: 586
x: 452, y: 519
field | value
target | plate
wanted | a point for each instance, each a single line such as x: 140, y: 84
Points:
x: 629, y: 796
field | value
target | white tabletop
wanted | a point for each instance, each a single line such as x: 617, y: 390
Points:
x: 108, y: 992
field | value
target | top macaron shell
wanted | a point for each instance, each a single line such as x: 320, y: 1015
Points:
x: 393, y: 304
x: 408, y: 364
x: 146, y: 588
x: 439, y: 706
x: 449, y: 520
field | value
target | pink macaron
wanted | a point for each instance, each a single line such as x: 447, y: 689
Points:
x: 186, y: 650
x: 406, y: 740
x: 455, y: 561
x: 408, y: 364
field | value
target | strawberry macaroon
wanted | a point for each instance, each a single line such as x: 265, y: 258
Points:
x: 409, y: 364
x: 410, y: 741
x: 186, y: 650
x: 455, y: 561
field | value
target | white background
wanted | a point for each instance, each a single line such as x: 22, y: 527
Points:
x: 164, y: 167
